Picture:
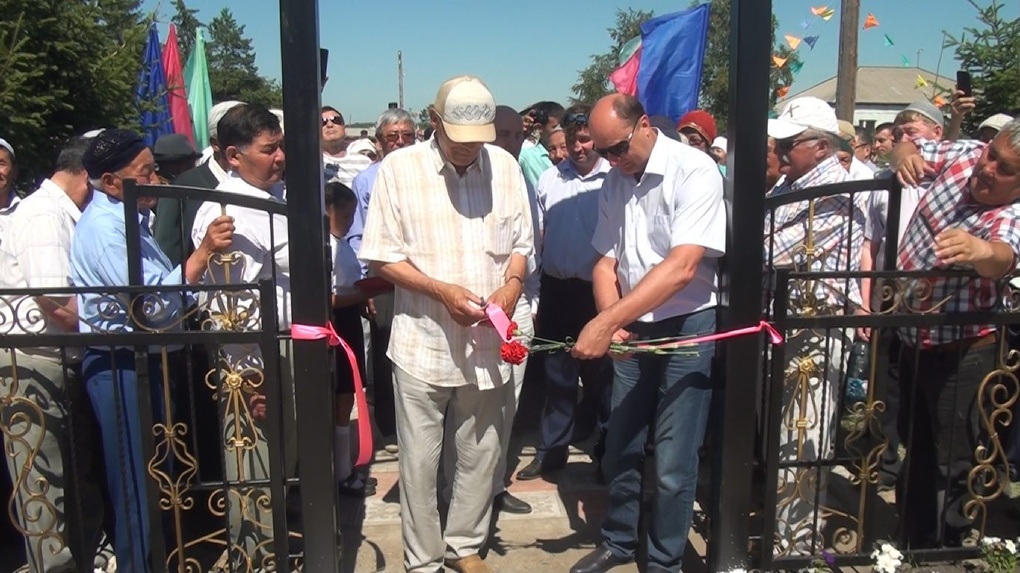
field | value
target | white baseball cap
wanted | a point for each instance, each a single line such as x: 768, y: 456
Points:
x: 720, y: 142
x: 363, y: 146
x: 996, y: 122
x: 467, y: 109
x: 802, y: 114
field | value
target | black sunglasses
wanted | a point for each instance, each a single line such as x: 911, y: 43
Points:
x: 579, y: 118
x: 617, y: 149
x: 334, y: 119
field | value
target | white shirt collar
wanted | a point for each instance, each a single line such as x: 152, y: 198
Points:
x: 49, y: 187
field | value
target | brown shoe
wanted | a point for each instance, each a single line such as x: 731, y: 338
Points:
x: 469, y: 564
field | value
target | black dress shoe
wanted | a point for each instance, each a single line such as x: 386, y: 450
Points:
x: 510, y: 504
x: 538, y: 467
x: 598, y: 561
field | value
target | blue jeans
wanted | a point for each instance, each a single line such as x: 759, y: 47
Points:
x: 112, y: 386
x: 672, y: 395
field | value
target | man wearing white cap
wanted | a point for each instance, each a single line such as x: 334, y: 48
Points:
x: 449, y: 224
x: 8, y: 175
x: 990, y: 127
x: 213, y: 170
x: 806, y: 135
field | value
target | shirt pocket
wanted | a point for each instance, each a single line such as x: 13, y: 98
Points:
x: 660, y: 234
x: 499, y: 238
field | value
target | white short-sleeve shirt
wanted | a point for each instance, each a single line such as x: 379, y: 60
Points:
x: 677, y: 201
x: 346, y: 267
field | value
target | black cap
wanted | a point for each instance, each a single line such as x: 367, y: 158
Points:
x: 174, y: 147
x: 111, y: 150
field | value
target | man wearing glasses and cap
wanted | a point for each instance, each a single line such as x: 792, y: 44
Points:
x: 99, y: 258
x: 807, y: 139
x: 449, y: 224
x: 661, y: 229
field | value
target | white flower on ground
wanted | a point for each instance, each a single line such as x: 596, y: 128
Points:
x: 1010, y: 546
x: 986, y: 541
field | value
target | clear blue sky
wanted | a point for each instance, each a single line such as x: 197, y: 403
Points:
x: 530, y: 50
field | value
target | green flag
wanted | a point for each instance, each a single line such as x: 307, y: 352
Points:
x: 796, y: 66
x: 196, y: 77
x: 906, y: 62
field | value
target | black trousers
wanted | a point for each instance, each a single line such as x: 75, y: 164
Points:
x: 943, y: 387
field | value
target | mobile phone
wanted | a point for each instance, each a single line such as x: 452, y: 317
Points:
x: 323, y: 61
x: 963, y: 83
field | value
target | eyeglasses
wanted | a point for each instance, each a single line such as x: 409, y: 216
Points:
x: 397, y: 135
x: 617, y: 149
x: 579, y: 118
x: 787, y: 145
x: 334, y: 119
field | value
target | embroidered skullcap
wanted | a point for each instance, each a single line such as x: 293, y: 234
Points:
x: 111, y: 150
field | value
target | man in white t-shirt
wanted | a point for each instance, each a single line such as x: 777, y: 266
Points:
x: 660, y: 232
x: 338, y: 162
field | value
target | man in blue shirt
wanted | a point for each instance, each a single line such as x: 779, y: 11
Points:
x: 99, y: 258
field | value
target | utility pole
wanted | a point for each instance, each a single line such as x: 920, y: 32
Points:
x: 400, y: 79
x: 846, y: 77
x: 919, y: 50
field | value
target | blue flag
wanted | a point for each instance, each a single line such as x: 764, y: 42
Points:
x: 672, y: 53
x: 151, y: 95
x: 810, y: 40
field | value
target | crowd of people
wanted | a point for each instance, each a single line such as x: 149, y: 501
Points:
x: 595, y: 223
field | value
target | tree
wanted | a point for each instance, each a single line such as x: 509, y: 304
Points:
x: 66, y: 67
x: 715, y: 75
x: 991, y: 53
x: 593, y: 81
x: 233, y: 74
x: 188, y: 25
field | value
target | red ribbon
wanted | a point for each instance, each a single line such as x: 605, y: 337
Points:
x: 306, y: 332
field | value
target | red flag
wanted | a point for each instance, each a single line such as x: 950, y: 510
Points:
x: 871, y: 21
x: 624, y: 78
x: 176, y: 94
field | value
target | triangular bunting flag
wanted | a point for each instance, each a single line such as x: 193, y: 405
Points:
x: 794, y: 41
x: 804, y: 24
x: 782, y: 91
x: 828, y: 14
x: 939, y: 101
x: 796, y: 66
x: 810, y: 40
x: 819, y: 10
x: 870, y: 21
x: 780, y: 62
x: 905, y: 60
x: 921, y: 83
x: 888, y: 41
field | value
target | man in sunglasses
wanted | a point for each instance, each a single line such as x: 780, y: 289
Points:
x: 823, y: 235
x: 661, y: 230
x: 337, y: 163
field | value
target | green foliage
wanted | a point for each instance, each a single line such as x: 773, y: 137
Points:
x: 715, y: 76
x: 991, y: 52
x: 187, y: 24
x: 233, y: 74
x: 65, y: 68
x: 593, y: 81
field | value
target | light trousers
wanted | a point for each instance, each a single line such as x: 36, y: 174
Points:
x: 476, y: 417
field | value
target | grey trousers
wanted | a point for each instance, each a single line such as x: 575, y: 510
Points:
x: 476, y: 417
x: 57, y: 498
x: 246, y: 456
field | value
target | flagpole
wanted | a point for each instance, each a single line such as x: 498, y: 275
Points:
x: 400, y: 78
x: 938, y: 66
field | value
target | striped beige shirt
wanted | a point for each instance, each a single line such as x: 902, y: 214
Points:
x: 458, y: 229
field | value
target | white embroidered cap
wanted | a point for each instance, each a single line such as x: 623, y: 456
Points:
x: 467, y: 109
x: 802, y: 114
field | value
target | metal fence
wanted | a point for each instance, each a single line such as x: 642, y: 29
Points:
x: 865, y: 435
x: 215, y: 408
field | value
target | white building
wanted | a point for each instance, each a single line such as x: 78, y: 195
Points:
x: 882, y: 92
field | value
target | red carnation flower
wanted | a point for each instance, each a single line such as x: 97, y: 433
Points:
x: 513, y: 352
x: 511, y: 330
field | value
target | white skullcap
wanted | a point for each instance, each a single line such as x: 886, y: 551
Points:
x: 217, y: 112
x: 7, y: 146
x: 93, y: 133
x: 279, y: 115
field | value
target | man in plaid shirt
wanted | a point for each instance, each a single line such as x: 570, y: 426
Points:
x: 969, y: 219
x: 806, y: 135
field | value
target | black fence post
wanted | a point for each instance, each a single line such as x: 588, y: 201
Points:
x: 750, y: 47
x: 299, y: 38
